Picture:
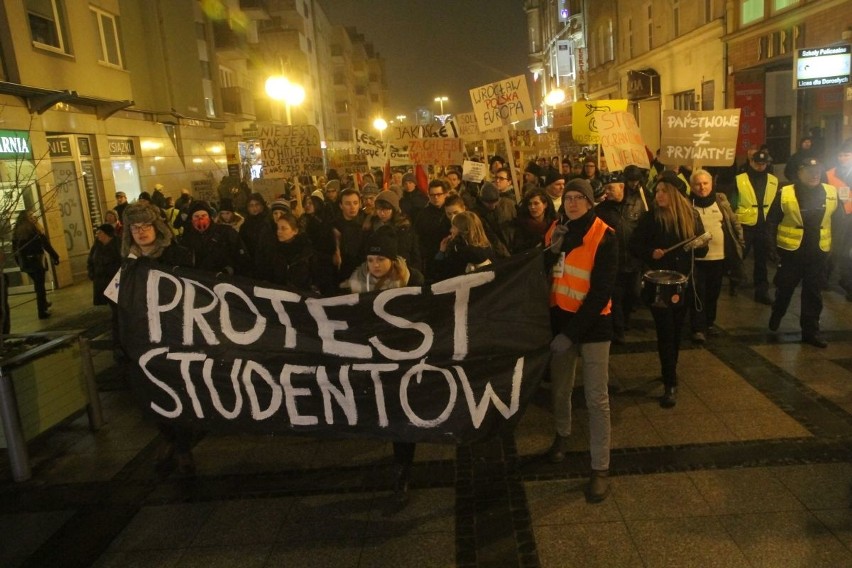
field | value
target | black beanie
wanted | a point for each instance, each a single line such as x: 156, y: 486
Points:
x: 226, y: 204
x: 199, y: 205
x: 383, y: 243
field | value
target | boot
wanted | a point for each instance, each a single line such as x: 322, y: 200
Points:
x: 598, y: 488
x: 669, y: 397
x: 556, y: 453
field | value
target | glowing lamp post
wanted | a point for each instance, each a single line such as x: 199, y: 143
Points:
x: 280, y: 89
x: 380, y: 124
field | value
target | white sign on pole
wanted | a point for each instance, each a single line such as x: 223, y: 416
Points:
x: 501, y: 103
x: 290, y: 150
x: 473, y: 171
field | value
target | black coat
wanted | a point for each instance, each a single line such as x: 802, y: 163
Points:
x: 294, y: 264
x: 649, y: 235
x: 218, y: 249
x: 103, y: 262
x: 29, y: 251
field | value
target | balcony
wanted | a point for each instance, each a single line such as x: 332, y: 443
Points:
x: 229, y: 43
x: 255, y: 9
x: 237, y: 100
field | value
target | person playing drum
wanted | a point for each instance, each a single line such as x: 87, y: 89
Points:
x: 659, y: 241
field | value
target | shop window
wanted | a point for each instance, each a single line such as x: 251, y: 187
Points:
x: 751, y: 11
x: 685, y: 100
x: 47, y: 24
x: 107, y: 26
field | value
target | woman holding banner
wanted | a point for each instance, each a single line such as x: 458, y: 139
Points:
x: 663, y: 241
x: 146, y: 235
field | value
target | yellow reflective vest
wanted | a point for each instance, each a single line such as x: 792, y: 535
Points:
x: 569, y: 289
x: 747, y: 208
x: 792, y: 229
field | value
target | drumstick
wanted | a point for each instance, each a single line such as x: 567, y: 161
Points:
x: 680, y: 244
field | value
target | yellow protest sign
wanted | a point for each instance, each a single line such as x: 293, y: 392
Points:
x: 584, y: 127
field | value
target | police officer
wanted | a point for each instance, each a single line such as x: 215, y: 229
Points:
x: 757, y: 190
x: 804, y: 213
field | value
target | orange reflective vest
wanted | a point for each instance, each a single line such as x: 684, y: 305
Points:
x: 569, y: 289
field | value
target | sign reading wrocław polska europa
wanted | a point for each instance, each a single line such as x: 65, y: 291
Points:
x: 455, y: 361
x: 501, y: 103
x: 622, y: 141
x: 289, y: 150
x: 586, y: 114
x: 708, y: 138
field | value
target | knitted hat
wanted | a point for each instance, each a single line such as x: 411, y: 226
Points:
x: 389, y: 197
x: 196, y: 206
x: 145, y: 195
x: 532, y: 168
x: 258, y: 197
x: 409, y: 177
x: 582, y: 186
x: 671, y: 178
x: 552, y: 177
x: 226, y: 204
x: 489, y: 193
x: 383, y: 243
x: 369, y: 189
x: 318, y: 193
x: 107, y: 229
x: 280, y: 204
x: 333, y: 185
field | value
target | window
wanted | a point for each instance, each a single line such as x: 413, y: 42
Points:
x: 684, y: 100
x: 778, y: 5
x: 47, y: 23
x: 628, y: 24
x: 650, y: 27
x: 676, y: 17
x: 708, y: 11
x: 708, y: 95
x: 107, y: 26
x: 205, y: 69
x: 610, y: 42
x: 226, y: 77
x: 751, y: 11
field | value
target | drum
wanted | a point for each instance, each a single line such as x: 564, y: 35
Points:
x: 663, y: 288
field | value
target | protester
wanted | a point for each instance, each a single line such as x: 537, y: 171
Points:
x: 582, y: 253
x: 257, y: 226
x: 840, y: 177
x: 348, y: 234
x: 465, y: 249
x: 29, y: 243
x: 412, y: 201
x: 432, y: 225
x: 103, y: 262
x: 658, y: 241
x: 291, y: 261
x: 216, y: 248
x: 497, y: 214
x: 535, y: 216
x: 228, y: 216
x: 389, y: 215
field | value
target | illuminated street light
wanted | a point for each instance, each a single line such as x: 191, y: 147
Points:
x: 441, y: 101
x: 380, y: 124
x: 401, y: 117
x: 280, y: 89
x: 554, y: 97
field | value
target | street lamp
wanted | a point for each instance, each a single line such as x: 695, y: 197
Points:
x: 554, y: 97
x: 380, y: 124
x: 441, y: 101
x: 280, y: 89
x: 401, y: 117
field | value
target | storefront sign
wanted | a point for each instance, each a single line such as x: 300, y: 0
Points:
x: 779, y: 42
x: 708, y: 138
x: 15, y: 144
x: 501, y: 103
x: 123, y: 147
x: 823, y: 67
x: 411, y: 364
x: 59, y: 146
x: 643, y: 84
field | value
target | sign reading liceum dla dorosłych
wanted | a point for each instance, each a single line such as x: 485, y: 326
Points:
x: 290, y: 150
x: 501, y: 103
x: 708, y: 138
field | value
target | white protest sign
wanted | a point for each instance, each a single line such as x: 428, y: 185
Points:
x: 501, y: 103
x: 290, y: 150
x: 398, y: 155
x: 705, y: 137
x: 405, y: 132
x: 473, y: 171
x: 466, y: 125
x: 621, y: 140
x: 370, y: 147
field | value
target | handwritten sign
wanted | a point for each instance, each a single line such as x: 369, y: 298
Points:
x: 466, y: 125
x: 501, y: 103
x: 401, y: 133
x: 473, y: 171
x: 398, y: 155
x: 705, y: 137
x: 622, y: 141
x: 436, y: 151
x: 290, y: 150
x: 409, y: 364
x: 371, y: 148
x: 584, y: 124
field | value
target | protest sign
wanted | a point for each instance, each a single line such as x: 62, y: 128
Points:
x: 349, y: 163
x: 455, y: 361
x: 436, y: 151
x: 465, y: 123
x: 402, y: 133
x: 289, y: 150
x: 501, y: 103
x: 621, y: 140
x: 372, y: 148
x: 398, y: 155
x: 473, y: 171
x: 547, y: 144
x: 563, y: 116
x: 585, y: 116
x: 269, y: 188
x: 708, y: 138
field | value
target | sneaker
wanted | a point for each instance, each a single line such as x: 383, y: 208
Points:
x: 598, y: 488
x: 699, y: 337
x: 669, y: 399
x: 816, y: 340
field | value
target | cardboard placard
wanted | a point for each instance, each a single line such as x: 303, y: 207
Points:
x: 289, y: 150
x: 622, y: 141
x: 708, y: 137
x: 584, y: 126
x: 501, y: 103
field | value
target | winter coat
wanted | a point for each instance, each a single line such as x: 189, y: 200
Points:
x: 362, y: 281
x: 103, y: 262
x: 218, y: 249
x: 623, y: 217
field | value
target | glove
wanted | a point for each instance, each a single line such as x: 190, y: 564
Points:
x: 561, y: 343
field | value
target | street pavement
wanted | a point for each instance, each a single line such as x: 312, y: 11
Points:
x: 753, y: 467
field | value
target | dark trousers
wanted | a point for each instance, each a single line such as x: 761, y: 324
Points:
x: 403, y: 454
x: 669, y: 324
x: 756, y: 239
x: 809, y: 268
x: 707, y: 280
x: 623, y: 300
x: 37, y: 276
x: 7, y: 313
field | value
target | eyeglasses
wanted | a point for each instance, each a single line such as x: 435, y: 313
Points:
x: 437, y: 194
x: 139, y: 227
x: 573, y: 198
x: 499, y: 178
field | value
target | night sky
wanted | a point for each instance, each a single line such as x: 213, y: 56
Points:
x: 438, y: 47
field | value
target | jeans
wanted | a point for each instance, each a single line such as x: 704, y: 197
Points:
x: 669, y: 323
x: 563, y: 368
x: 38, y: 278
x: 707, y: 279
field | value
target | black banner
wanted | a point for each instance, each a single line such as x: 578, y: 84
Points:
x: 454, y: 361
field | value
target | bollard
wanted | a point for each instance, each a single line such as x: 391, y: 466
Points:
x: 93, y: 409
x: 18, y: 458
